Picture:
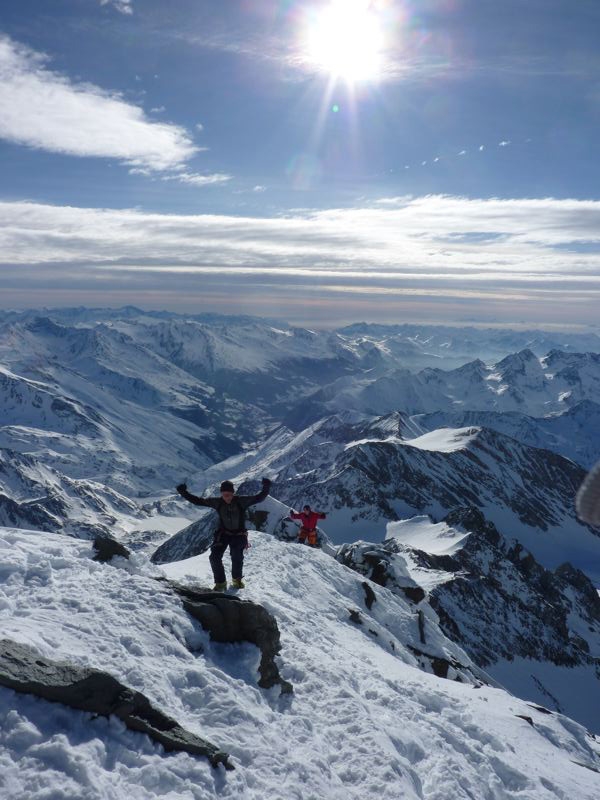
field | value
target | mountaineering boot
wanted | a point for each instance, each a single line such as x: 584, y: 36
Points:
x: 237, y: 583
x: 220, y: 587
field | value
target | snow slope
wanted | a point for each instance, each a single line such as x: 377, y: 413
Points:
x: 364, y: 720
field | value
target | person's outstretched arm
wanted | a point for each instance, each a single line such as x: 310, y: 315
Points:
x: 250, y: 500
x: 295, y: 514
x: 211, y: 502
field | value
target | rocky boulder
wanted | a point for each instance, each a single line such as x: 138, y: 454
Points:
x: 86, y: 689
x: 229, y: 619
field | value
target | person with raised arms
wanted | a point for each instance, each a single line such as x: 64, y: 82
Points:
x: 231, y: 531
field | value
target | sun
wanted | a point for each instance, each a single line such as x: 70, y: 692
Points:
x: 345, y: 39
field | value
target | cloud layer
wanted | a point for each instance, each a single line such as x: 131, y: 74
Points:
x: 537, y: 259
x: 47, y: 111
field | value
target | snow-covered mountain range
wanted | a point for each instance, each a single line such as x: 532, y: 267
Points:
x: 447, y: 461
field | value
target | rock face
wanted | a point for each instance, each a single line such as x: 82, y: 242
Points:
x: 106, y: 548
x: 191, y: 541
x: 500, y: 603
x: 85, y: 689
x: 382, y: 565
x: 533, y: 629
x: 229, y: 619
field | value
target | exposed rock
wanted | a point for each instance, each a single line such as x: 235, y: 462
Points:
x: 526, y: 718
x: 370, y: 597
x: 441, y: 667
x: 191, y: 541
x: 501, y: 603
x: 86, y: 689
x: 106, y: 548
x: 229, y: 619
x: 383, y: 565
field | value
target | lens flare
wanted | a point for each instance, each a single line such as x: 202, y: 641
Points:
x: 346, y: 40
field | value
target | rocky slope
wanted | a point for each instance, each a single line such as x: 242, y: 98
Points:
x: 537, y: 631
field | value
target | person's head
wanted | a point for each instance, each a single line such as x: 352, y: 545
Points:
x: 227, y: 491
x: 306, y: 509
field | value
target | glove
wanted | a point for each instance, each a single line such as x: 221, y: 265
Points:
x: 292, y: 511
x: 266, y: 483
x: 181, y: 488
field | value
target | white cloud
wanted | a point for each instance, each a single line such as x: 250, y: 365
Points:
x: 259, y: 189
x: 198, y: 180
x: 47, y: 111
x: 428, y: 236
x: 539, y: 258
x: 158, y: 110
x: 199, y: 126
x: 124, y: 6
x: 504, y: 143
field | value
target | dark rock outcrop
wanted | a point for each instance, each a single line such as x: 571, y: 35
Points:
x: 106, y: 548
x: 378, y: 562
x: 191, y: 541
x: 229, y: 619
x: 370, y: 597
x: 86, y: 689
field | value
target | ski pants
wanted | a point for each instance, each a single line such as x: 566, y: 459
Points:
x: 306, y: 533
x: 236, y: 542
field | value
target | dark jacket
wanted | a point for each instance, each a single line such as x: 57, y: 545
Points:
x: 232, y: 516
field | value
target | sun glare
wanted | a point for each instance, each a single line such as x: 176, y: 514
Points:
x: 346, y: 40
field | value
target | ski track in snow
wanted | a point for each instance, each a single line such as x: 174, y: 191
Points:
x: 363, y: 722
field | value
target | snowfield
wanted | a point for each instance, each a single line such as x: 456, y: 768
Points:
x: 364, y: 720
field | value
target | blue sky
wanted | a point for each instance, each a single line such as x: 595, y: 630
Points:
x: 194, y: 154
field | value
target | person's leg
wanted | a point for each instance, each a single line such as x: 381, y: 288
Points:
x: 312, y: 538
x: 302, y: 535
x: 237, y: 545
x: 216, y: 561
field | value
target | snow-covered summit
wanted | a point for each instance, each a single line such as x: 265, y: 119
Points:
x: 366, y: 719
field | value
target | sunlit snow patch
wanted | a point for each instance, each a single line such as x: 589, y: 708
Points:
x: 445, y: 440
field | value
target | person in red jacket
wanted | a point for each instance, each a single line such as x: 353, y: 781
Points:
x: 308, y: 524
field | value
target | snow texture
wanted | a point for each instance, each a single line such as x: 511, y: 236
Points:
x: 364, y: 720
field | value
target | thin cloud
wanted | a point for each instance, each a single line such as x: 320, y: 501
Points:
x: 543, y: 253
x: 124, y: 6
x: 47, y: 111
x: 428, y: 235
x: 195, y: 179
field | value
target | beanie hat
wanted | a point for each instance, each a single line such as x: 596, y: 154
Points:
x: 227, y: 486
